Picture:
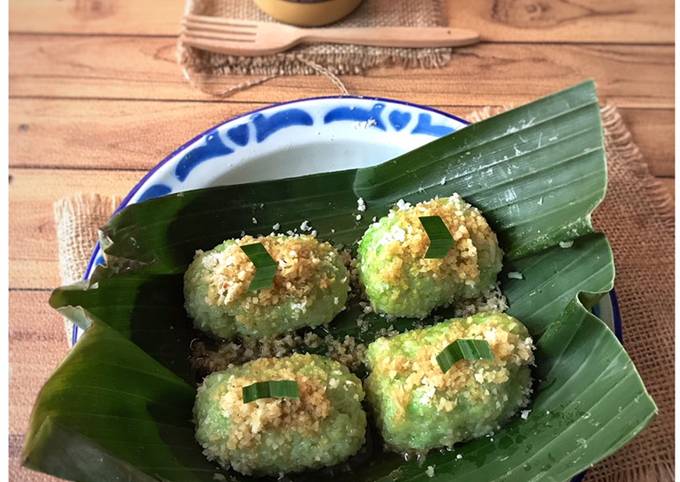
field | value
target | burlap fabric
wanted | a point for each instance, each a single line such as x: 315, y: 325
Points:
x: 77, y: 220
x: 328, y: 59
x: 638, y: 219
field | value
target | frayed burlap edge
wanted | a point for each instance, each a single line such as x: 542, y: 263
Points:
x: 618, y: 137
x: 210, y: 80
x: 78, y: 218
x: 293, y: 62
x: 646, y: 307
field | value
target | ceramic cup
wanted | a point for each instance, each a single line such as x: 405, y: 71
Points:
x: 308, y: 13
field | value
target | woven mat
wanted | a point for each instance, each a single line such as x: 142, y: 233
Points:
x: 326, y: 59
x: 637, y: 217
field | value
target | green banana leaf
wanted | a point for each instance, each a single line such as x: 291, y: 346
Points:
x: 119, y: 406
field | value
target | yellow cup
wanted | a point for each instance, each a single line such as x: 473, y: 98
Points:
x: 308, y: 13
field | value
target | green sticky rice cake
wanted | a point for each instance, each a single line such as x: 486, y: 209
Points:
x: 419, y: 407
x: 310, y: 287
x: 400, y: 281
x: 269, y: 436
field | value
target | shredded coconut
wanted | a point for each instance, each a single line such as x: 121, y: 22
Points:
x: 250, y: 419
x: 420, y: 371
x: 300, y: 259
x: 401, y: 205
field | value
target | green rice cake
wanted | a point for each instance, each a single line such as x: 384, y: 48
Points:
x: 310, y: 287
x: 400, y: 281
x: 268, y: 436
x: 418, y: 407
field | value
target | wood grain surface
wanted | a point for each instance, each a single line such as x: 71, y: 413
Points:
x: 134, y: 68
x: 618, y: 21
x: 96, y: 99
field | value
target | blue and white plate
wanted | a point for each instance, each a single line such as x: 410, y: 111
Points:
x: 302, y: 137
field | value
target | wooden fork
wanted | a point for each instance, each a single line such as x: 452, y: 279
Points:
x: 250, y: 38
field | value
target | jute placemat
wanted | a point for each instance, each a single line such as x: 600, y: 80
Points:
x: 200, y: 67
x: 638, y: 219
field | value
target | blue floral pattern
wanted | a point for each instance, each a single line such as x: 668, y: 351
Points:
x: 372, y: 116
x: 212, y: 145
x: 399, y: 119
x: 425, y: 126
x: 239, y: 135
x: 266, y: 126
x: 155, y: 190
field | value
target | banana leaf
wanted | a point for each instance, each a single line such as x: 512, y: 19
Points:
x: 119, y: 407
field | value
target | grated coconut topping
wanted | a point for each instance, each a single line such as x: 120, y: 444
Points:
x: 299, y: 269
x: 250, y: 419
x: 509, y: 349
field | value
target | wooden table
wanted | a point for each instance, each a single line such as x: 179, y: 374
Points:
x: 96, y: 99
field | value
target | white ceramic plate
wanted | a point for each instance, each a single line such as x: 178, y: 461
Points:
x: 303, y: 137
